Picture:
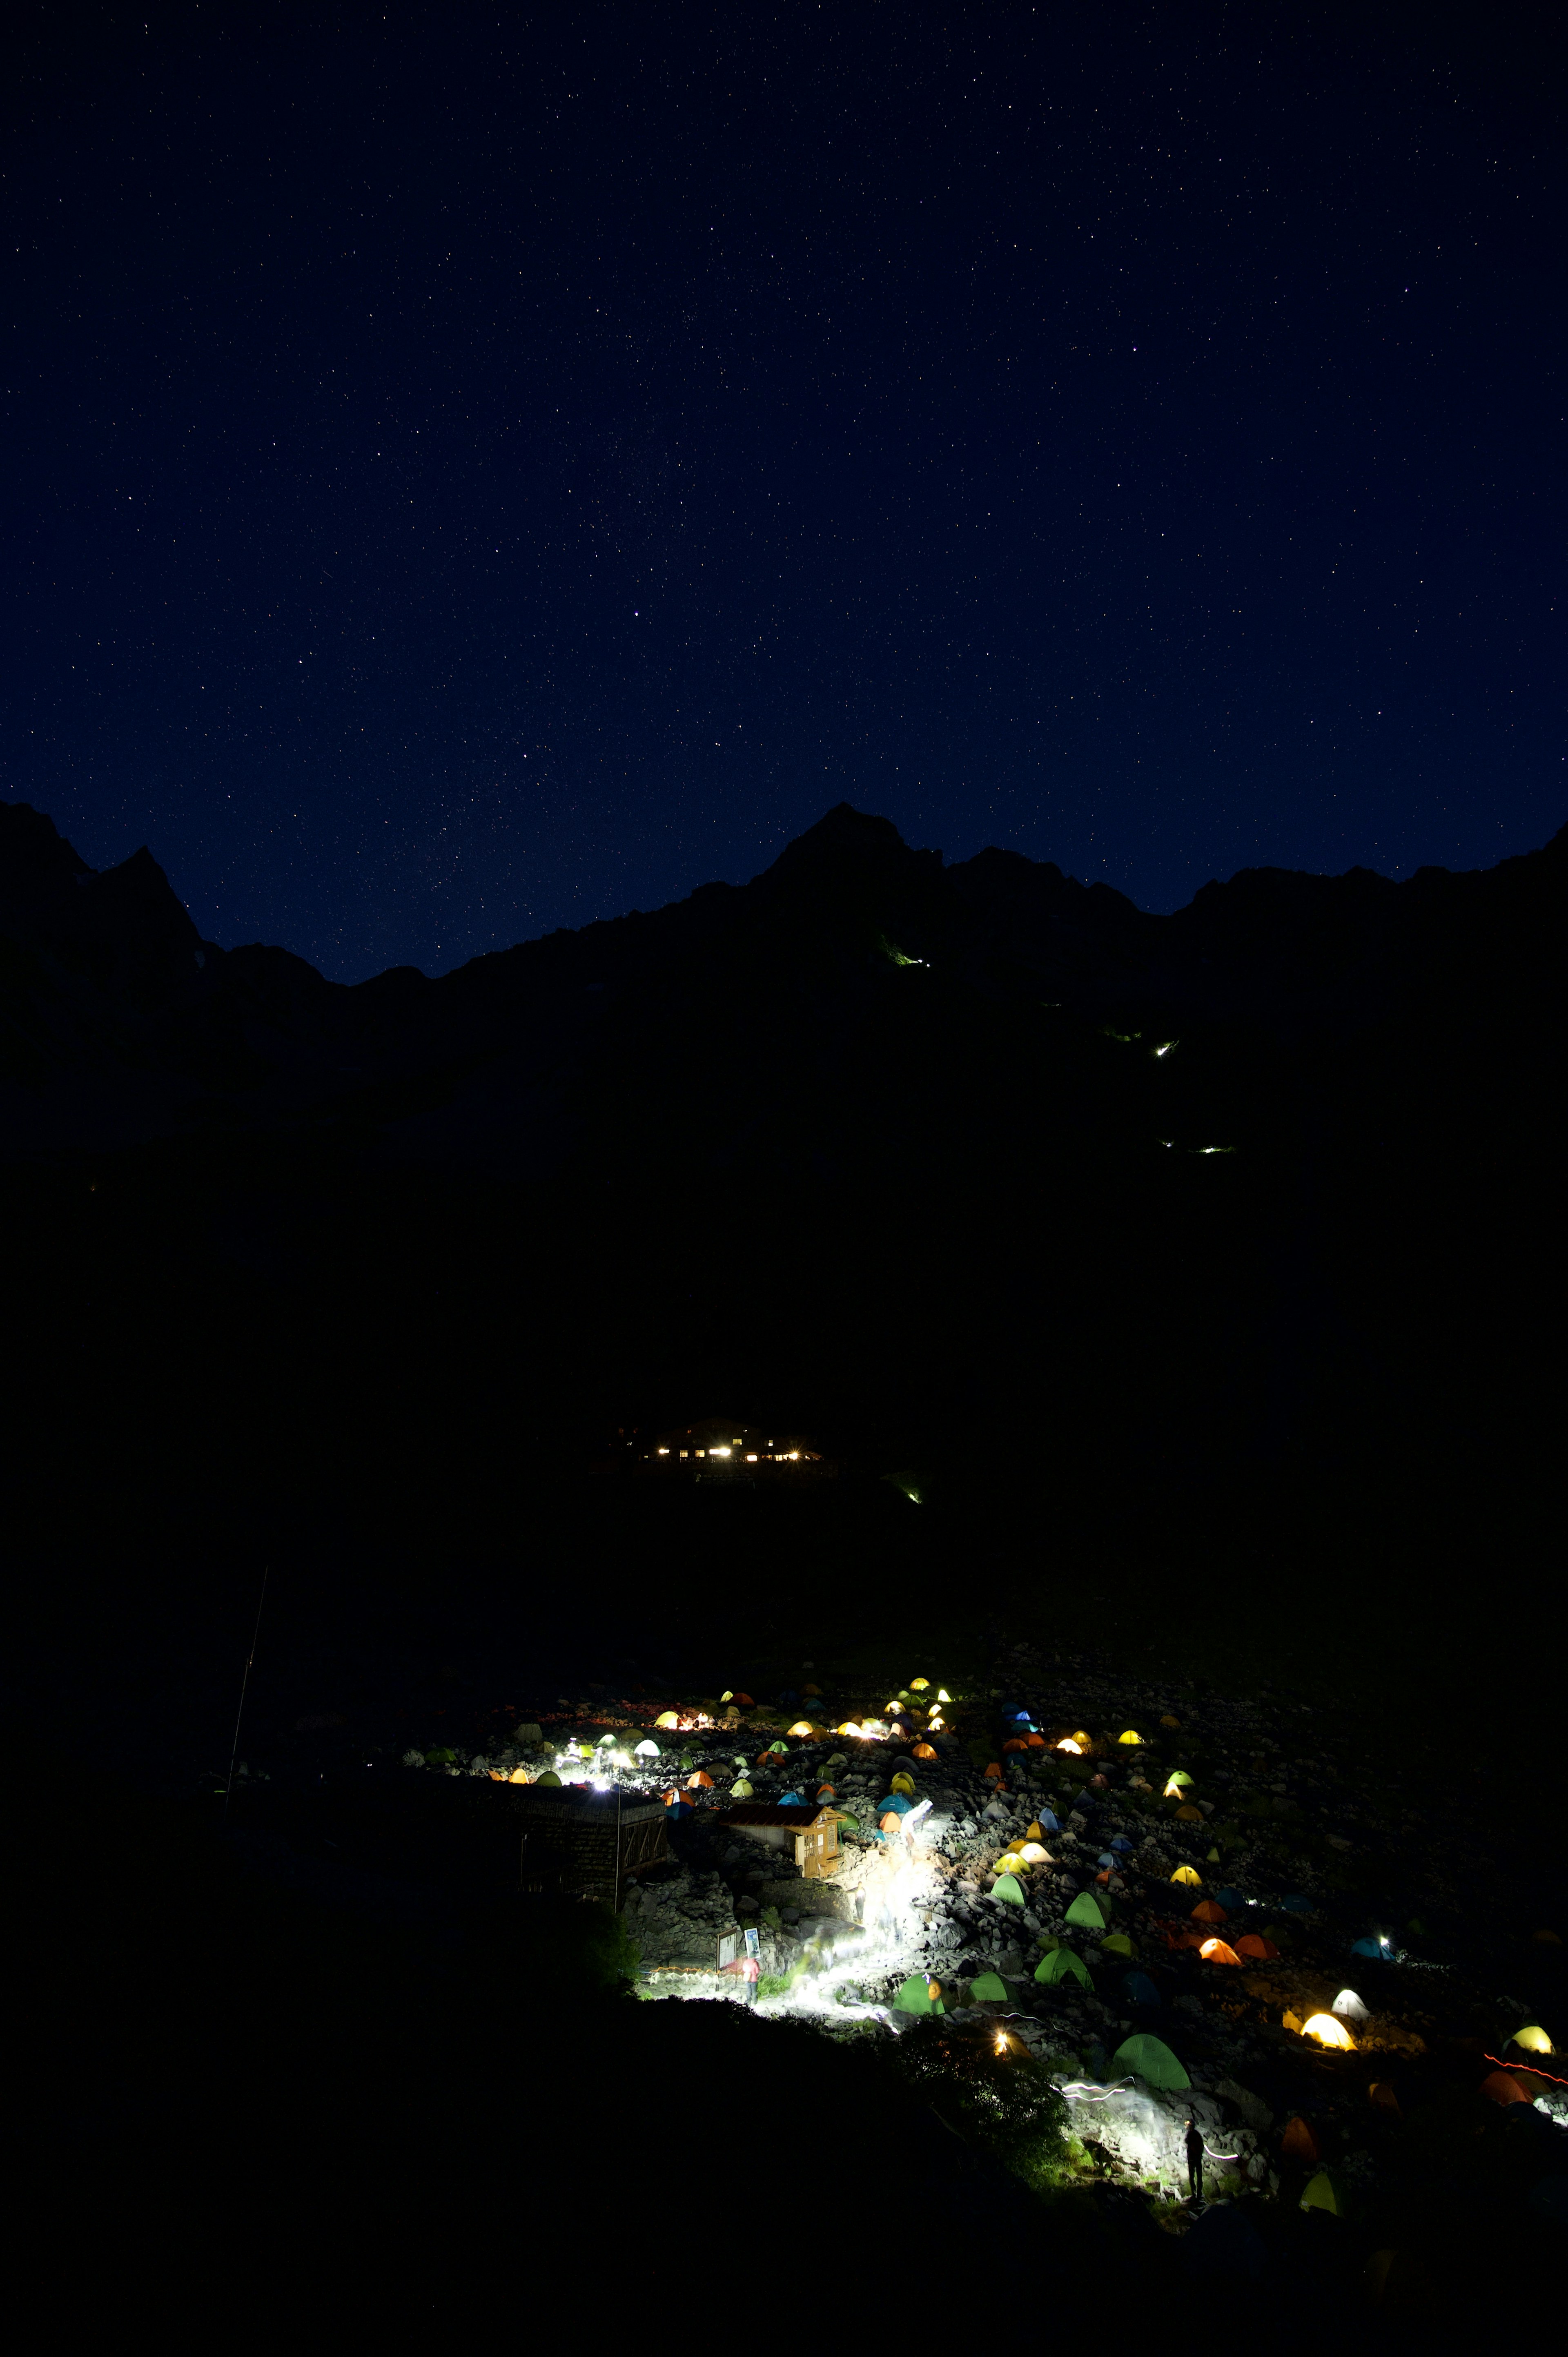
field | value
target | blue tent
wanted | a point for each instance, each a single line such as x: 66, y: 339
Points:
x: 1047, y: 1821
x: 1021, y: 1717
x: 1231, y: 1900
x: 1106, y: 1858
x: 1297, y: 1905
x: 791, y: 1801
x: 899, y: 1802
x: 1121, y: 1844
x: 1139, y: 1989
x: 677, y: 1809
x: 1368, y: 1948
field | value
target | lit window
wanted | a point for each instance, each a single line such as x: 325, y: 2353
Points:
x: 684, y: 1452
x: 751, y: 1455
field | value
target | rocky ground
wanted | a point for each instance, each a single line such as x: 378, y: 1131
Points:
x: 1363, y: 1896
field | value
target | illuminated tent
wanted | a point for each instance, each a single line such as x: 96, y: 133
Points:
x: 1151, y: 2059
x: 1060, y: 1964
x: 924, y: 1751
x: 914, y: 1997
x: 987, y: 1990
x: 1086, y: 1911
x: 1129, y: 1736
x: 647, y: 1748
x: 1325, y: 2030
x: 918, y: 1685
x: 1190, y: 1876
x: 1531, y: 2039
x: 1350, y: 2007
x: 1139, y: 1989
x: 700, y: 1781
x: 743, y: 1789
x: 550, y: 1777
x: 1034, y: 1853
x: 667, y: 1718
x: 1326, y: 2191
x: 1008, y: 1887
x: 889, y: 1822
x: 1298, y: 2140
x: 1216, y: 1952
x: 1377, y: 1949
x: 904, y: 1784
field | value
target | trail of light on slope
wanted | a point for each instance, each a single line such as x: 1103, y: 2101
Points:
x: 898, y: 1886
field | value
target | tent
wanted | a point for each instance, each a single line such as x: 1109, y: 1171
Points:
x: 1368, y: 1947
x: 1128, y: 1736
x: 1216, y: 1952
x: 1190, y: 1876
x: 1187, y: 1815
x: 1381, y: 2092
x: 1152, y: 2061
x: 987, y: 1990
x: 1121, y: 1844
x: 743, y: 1789
x: 847, y: 1824
x: 699, y: 1781
x: 1058, y: 1964
x: 550, y: 1777
x: 1252, y: 1944
x: 902, y: 1782
x: 1116, y: 1943
x: 1328, y: 2029
x: 1231, y: 1900
x: 1501, y: 2087
x: 1350, y: 2007
x: 1298, y: 2141
x: 899, y: 1802
x: 914, y: 1997
x: 1532, y: 2039
x: 1326, y: 2191
x: 1139, y: 1989
x: 1008, y: 1887
x: 889, y: 1822
x: 924, y: 1751
x: 1087, y: 1912
x: 1034, y: 1853
x: 1208, y: 1910
x: 1048, y: 1824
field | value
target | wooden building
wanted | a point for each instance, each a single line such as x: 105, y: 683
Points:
x: 812, y: 1833
x: 583, y: 1843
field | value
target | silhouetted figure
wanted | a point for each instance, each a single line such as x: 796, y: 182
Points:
x: 1194, y: 2160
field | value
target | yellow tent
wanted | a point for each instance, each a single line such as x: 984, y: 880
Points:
x: 918, y: 1685
x: 1325, y: 2192
x: 1129, y: 1736
x: 1533, y: 2040
x: 667, y: 1718
x: 1328, y: 2030
x: 1190, y: 1876
x: 1168, y: 1721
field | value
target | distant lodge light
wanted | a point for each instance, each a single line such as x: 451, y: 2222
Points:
x: 715, y: 1449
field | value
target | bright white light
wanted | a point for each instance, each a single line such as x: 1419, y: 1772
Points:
x: 716, y: 1452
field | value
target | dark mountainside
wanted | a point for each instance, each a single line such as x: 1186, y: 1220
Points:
x: 872, y: 1146
x: 1236, y: 1363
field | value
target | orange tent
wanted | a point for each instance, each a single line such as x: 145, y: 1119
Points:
x: 1014, y: 1743
x: 1299, y: 2141
x: 1380, y: 2091
x: 1252, y: 1944
x: 699, y: 1781
x: 1503, y: 2088
x: 746, y: 1702
x: 922, y: 1751
x: 1215, y: 1951
x: 1208, y: 1910
x: 1033, y: 1743
x: 995, y: 1769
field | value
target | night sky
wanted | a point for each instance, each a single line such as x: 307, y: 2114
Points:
x: 464, y: 477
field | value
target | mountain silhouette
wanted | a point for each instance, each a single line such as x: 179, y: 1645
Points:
x: 971, y: 1167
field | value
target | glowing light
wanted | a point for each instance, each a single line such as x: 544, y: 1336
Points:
x: 1067, y: 1744
x: 667, y: 1718
x: 1328, y: 2031
x: 719, y: 1452
x: 664, y: 1452
x: 751, y: 1455
x: 1532, y: 2039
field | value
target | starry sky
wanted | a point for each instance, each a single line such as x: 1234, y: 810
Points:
x: 467, y: 471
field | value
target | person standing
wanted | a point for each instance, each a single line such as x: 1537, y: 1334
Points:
x: 1194, y: 2142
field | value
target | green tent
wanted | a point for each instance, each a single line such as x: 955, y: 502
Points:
x: 1152, y: 2061
x: 1117, y: 1943
x: 914, y: 1997
x: 549, y: 1777
x: 1059, y: 1964
x: 1007, y: 1886
x: 1326, y: 2191
x: 987, y: 1990
x: 1085, y: 1912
